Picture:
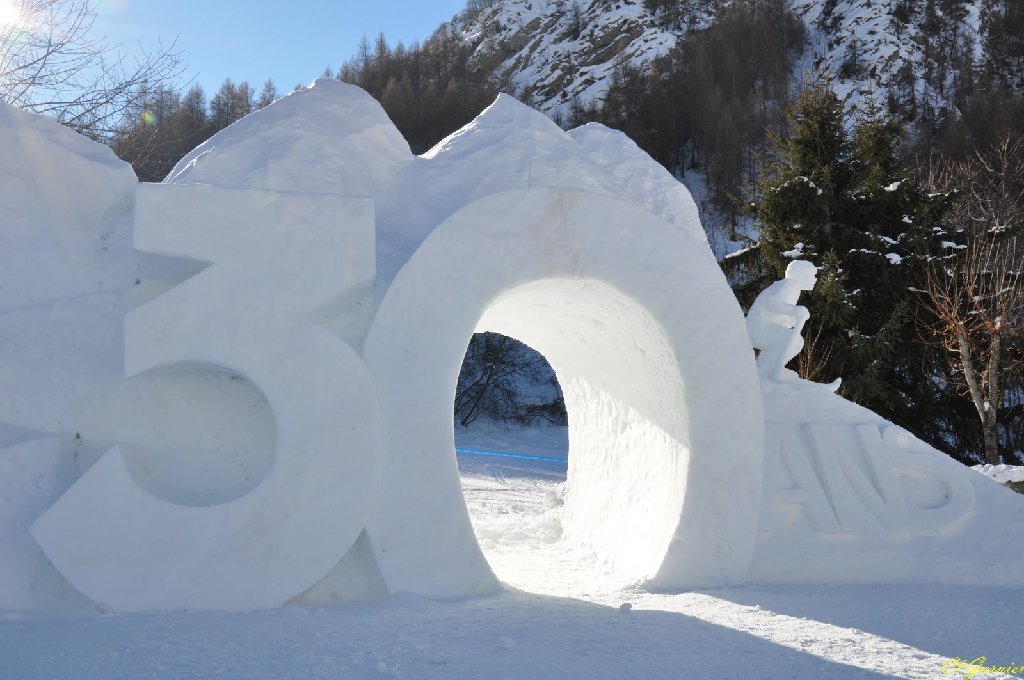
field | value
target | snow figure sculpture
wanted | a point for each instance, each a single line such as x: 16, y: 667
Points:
x: 775, y: 322
x: 842, y: 485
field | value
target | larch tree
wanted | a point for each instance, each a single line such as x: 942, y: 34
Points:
x: 268, y: 93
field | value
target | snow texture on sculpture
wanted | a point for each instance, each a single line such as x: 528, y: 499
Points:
x: 233, y: 389
x: 248, y: 314
x: 847, y: 495
x: 775, y: 323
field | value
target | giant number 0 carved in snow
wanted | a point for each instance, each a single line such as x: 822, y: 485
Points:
x: 276, y: 258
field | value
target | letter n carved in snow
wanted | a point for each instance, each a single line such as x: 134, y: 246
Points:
x: 860, y: 479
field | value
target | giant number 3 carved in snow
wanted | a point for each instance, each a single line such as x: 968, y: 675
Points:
x: 276, y: 258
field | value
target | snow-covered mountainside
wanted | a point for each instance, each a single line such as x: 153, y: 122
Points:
x: 552, y: 51
x: 874, y: 47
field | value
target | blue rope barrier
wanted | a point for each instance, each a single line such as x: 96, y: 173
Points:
x: 503, y: 454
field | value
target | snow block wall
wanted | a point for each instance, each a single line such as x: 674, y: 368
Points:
x: 233, y: 390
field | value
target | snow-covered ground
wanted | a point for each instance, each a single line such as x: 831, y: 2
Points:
x: 562, y: 616
x: 1002, y: 473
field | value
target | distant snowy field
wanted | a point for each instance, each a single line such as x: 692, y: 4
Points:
x: 561, y: 617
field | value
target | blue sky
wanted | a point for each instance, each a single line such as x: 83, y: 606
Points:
x: 290, y: 41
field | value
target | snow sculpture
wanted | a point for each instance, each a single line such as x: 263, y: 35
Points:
x: 571, y: 276
x: 234, y: 388
x: 33, y: 474
x: 65, y: 264
x: 859, y: 488
x: 642, y: 365
x: 775, y: 322
x: 849, y: 497
x: 276, y: 258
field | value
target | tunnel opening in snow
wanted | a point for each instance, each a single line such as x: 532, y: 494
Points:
x: 665, y: 423
x: 511, y: 442
x: 626, y: 463
x: 506, y: 381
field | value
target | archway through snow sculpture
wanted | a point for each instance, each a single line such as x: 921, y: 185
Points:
x: 304, y: 267
x: 352, y: 290
x: 642, y: 367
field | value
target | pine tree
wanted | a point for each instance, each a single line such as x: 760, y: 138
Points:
x: 1002, y: 27
x: 803, y: 191
x: 845, y: 201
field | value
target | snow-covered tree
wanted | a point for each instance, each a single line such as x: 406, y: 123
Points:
x: 837, y: 194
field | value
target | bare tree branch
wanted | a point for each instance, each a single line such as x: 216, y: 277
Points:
x: 50, y: 64
x: 977, y: 299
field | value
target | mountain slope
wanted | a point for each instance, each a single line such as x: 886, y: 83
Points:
x: 552, y: 51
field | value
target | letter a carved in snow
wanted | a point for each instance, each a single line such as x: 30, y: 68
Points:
x: 276, y: 257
